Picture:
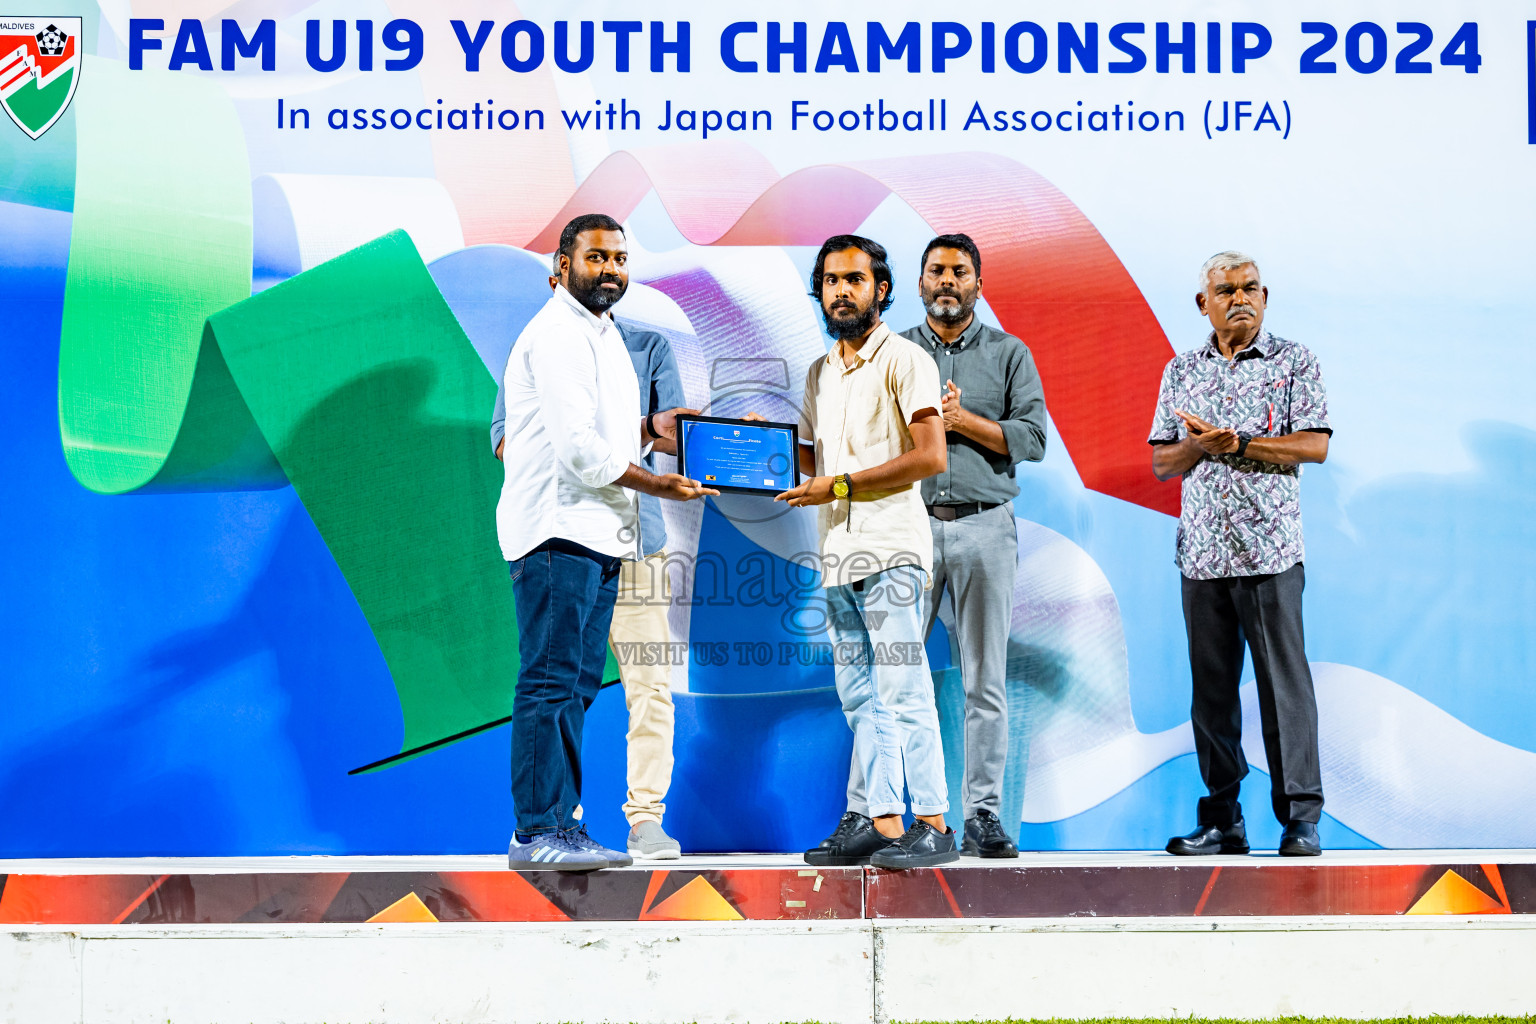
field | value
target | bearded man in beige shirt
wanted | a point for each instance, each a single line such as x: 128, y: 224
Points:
x: 870, y: 430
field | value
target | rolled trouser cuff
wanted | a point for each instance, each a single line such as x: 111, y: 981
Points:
x: 883, y: 810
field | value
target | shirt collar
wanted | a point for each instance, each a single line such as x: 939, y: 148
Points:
x: 866, y: 352
x: 970, y: 334
x: 601, y: 323
x: 1258, y: 348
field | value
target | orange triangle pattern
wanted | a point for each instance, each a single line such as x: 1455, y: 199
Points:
x: 658, y: 878
x: 1453, y: 894
x: 1497, y: 881
x: 696, y: 901
x: 408, y: 909
x: 502, y: 896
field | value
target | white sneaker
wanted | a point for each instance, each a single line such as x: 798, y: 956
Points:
x: 647, y: 841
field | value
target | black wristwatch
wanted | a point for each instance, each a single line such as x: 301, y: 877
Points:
x: 1242, y: 445
x: 650, y: 426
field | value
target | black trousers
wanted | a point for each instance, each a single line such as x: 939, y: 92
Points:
x: 1264, y: 611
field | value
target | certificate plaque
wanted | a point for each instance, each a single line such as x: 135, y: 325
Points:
x: 738, y: 456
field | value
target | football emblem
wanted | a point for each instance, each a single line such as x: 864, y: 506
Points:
x: 39, y: 70
x: 51, y: 40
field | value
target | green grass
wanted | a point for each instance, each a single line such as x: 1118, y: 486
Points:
x: 1529, y: 1019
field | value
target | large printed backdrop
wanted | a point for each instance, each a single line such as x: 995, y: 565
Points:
x: 249, y: 586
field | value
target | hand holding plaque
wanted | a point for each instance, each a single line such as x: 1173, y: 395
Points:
x: 740, y: 456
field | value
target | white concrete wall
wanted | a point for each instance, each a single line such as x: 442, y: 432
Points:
x: 1228, y: 967
x: 831, y: 972
x: 435, y: 972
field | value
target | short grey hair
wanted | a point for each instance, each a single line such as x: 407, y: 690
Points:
x: 1229, y: 260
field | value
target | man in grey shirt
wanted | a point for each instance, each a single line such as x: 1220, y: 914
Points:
x: 994, y: 418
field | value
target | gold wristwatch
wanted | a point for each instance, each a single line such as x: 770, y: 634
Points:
x: 840, y: 485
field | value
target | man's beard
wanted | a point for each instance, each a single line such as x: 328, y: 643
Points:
x: 589, y: 291
x: 949, y: 314
x: 852, y: 327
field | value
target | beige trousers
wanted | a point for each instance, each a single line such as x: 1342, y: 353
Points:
x: 640, y: 617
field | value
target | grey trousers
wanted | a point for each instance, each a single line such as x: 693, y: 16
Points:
x: 973, y: 568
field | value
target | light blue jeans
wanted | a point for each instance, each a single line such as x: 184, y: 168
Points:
x: 876, y: 627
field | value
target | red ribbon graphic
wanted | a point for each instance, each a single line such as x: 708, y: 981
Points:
x: 1051, y: 277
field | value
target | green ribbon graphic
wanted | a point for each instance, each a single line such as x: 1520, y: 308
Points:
x: 352, y: 381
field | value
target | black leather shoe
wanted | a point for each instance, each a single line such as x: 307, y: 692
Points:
x: 984, y: 837
x: 1209, y: 839
x: 855, y: 839
x: 1300, y: 840
x: 920, y: 846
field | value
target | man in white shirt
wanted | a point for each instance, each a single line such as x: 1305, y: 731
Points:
x: 640, y: 612
x: 575, y: 436
x: 871, y: 429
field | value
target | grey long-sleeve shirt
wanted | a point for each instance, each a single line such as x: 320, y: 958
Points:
x: 997, y: 378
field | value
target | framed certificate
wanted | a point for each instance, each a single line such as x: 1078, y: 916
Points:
x: 738, y: 456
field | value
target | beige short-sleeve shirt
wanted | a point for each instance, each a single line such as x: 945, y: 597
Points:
x: 858, y: 417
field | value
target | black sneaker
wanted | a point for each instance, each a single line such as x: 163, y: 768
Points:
x: 853, y: 842
x: 984, y: 837
x: 920, y: 846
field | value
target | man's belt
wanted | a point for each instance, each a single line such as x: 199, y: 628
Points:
x: 949, y: 513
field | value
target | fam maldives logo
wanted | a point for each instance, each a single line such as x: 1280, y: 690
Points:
x: 39, y: 69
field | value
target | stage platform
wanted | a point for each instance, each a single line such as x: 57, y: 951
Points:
x: 747, y: 938
x: 368, y: 890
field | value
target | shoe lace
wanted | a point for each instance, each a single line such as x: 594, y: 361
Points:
x: 914, y: 832
x: 561, y: 841
x: 577, y: 837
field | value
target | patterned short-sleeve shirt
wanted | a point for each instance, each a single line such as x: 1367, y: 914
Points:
x: 1241, y: 517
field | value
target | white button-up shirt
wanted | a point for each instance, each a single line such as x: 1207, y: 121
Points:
x: 573, y: 427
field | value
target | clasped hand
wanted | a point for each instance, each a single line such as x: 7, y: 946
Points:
x: 1213, y: 440
x: 954, y: 415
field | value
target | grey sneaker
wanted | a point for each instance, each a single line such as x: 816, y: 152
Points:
x: 578, y: 836
x: 552, y: 851
x: 647, y: 841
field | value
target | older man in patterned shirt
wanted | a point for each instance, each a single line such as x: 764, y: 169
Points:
x: 1236, y: 418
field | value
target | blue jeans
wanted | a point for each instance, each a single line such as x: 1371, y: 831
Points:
x: 565, y: 595
x: 876, y: 626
